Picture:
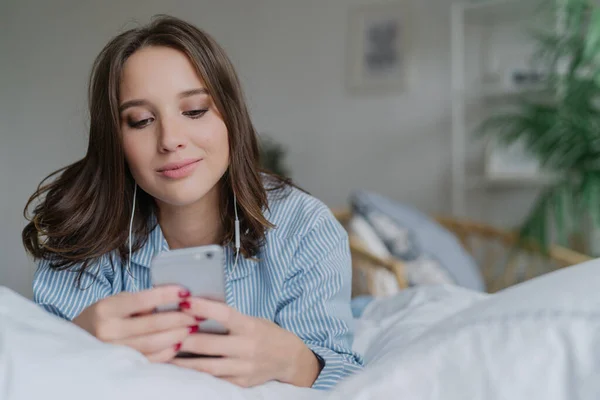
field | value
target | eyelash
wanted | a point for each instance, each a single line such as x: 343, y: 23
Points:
x: 193, y: 114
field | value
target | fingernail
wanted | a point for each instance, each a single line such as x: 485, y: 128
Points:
x: 185, y: 305
x: 178, y: 347
x: 193, y: 329
x: 200, y: 319
x: 184, y: 293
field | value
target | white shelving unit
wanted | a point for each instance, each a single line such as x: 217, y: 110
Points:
x: 491, y: 11
x: 479, y: 81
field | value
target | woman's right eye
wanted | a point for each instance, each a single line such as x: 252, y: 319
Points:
x: 139, y: 124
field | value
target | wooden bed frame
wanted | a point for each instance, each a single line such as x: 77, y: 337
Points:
x: 502, y: 263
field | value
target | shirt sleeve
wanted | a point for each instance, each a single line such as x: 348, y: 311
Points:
x: 317, y: 301
x: 59, y: 292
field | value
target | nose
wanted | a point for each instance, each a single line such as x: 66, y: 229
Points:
x: 171, y: 137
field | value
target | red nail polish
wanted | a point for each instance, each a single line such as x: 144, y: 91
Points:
x: 178, y: 347
x: 185, y: 305
x: 193, y: 329
x: 184, y: 294
x: 200, y: 319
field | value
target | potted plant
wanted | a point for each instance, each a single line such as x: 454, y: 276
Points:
x: 562, y: 128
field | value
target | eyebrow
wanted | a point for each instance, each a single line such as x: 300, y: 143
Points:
x: 182, y: 95
x: 193, y: 92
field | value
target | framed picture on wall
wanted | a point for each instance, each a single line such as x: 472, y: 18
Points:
x: 378, y: 48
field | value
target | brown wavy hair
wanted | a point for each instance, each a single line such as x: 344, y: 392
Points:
x: 83, y: 213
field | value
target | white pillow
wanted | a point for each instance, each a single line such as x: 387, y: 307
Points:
x: 383, y: 282
x: 360, y: 228
x: 423, y: 270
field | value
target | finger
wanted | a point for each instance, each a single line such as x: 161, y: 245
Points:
x: 127, y: 304
x: 227, y: 316
x: 218, y: 367
x: 142, y: 314
x: 216, y: 345
x: 116, y: 329
x: 156, y: 342
x: 155, y: 323
x: 163, y: 356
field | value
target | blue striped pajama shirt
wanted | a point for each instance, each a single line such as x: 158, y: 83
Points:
x: 301, y: 280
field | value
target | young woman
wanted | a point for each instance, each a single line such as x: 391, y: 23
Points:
x: 173, y: 156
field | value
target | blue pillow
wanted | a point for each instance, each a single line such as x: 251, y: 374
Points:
x: 425, y: 237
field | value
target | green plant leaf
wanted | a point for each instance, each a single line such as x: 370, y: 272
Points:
x: 592, y: 40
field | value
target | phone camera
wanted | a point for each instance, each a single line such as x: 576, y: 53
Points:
x: 209, y: 255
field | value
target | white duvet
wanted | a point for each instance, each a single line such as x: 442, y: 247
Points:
x: 540, y: 340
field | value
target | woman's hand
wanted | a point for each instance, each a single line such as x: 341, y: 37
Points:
x: 128, y: 319
x: 254, y: 352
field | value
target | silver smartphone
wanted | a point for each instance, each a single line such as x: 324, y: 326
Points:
x: 201, y: 270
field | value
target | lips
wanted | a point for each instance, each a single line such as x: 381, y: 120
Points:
x: 177, y: 165
x: 179, y: 169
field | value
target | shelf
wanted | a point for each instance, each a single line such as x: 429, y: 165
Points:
x: 492, y: 91
x: 494, y: 10
x: 490, y: 39
x: 533, y: 182
x: 498, y: 92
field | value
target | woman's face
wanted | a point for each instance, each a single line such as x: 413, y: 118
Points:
x: 174, y: 139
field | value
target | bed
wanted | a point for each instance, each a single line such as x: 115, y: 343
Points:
x: 535, y: 340
x: 528, y: 330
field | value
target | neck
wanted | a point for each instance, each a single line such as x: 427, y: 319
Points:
x: 194, y: 225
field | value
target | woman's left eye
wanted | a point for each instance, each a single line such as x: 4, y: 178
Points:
x: 195, y: 113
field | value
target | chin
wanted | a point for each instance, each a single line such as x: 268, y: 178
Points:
x: 180, y: 199
x: 182, y: 196
x: 181, y: 193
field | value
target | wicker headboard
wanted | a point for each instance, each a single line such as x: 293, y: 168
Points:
x: 502, y: 263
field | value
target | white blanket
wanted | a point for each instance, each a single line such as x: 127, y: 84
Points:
x: 536, y: 341
x: 45, y: 358
x: 540, y: 340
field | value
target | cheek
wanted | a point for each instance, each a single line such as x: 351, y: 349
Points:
x: 136, y: 154
x: 223, y: 144
x: 215, y: 141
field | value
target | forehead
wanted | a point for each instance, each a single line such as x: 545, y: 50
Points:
x: 156, y: 72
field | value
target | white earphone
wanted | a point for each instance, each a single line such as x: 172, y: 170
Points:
x: 237, y: 235
x: 129, y: 239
